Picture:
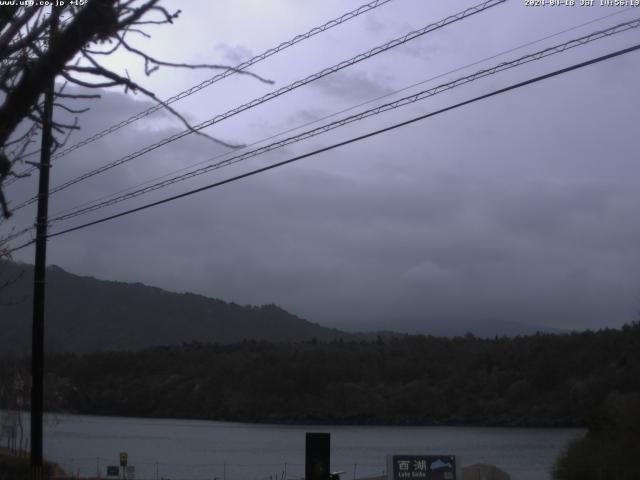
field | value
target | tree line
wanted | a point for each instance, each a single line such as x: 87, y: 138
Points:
x: 539, y: 380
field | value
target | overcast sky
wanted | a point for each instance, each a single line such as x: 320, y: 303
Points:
x: 521, y: 207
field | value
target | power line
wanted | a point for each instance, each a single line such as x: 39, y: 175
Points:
x: 374, y: 111
x: 347, y: 142
x: 326, y: 117
x: 362, y: 115
x: 20, y: 247
x: 93, y: 205
x: 238, y: 68
x: 17, y: 234
x: 270, y: 96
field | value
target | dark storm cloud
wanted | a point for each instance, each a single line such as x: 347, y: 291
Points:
x: 522, y: 208
x: 417, y: 238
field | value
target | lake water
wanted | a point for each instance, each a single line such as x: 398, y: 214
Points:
x: 197, y: 449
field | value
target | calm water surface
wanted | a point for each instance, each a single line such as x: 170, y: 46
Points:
x: 196, y: 449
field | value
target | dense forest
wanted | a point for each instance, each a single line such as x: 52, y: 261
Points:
x: 540, y: 380
x: 611, y: 447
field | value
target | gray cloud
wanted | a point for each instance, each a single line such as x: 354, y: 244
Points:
x: 304, y: 116
x: 354, y: 85
x: 234, y: 55
x: 374, y: 25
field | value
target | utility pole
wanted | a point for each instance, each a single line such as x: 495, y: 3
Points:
x: 37, y: 335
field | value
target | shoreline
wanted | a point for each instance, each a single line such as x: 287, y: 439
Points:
x: 294, y: 424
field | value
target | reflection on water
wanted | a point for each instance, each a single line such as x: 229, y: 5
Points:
x: 195, y: 449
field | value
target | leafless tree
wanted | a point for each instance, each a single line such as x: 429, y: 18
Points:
x: 7, y: 276
x: 86, y: 32
x: 13, y: 403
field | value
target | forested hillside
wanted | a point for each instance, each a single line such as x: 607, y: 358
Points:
x: 535, y: 380
x: 85, y: 314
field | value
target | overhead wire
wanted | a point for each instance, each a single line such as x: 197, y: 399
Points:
x: 374, y: 111
x: 334, y: 114
x: 367, y: 7
x: 422, y: 95
x: 493, y: 93
x: 481, y: 7
x: 17, y: 234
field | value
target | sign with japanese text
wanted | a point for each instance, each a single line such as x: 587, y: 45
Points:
x: 421, y: 467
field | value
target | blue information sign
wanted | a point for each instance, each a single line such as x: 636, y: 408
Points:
x: 422, y: 467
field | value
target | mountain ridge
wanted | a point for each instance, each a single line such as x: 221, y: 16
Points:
x: 86, y: 314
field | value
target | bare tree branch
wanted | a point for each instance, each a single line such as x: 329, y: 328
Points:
x: 149, y: 59
x: 30, y: 59
x: 93, y: 20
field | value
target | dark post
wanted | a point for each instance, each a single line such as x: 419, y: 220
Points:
x: 37, y: 334
x: 317, y: 456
